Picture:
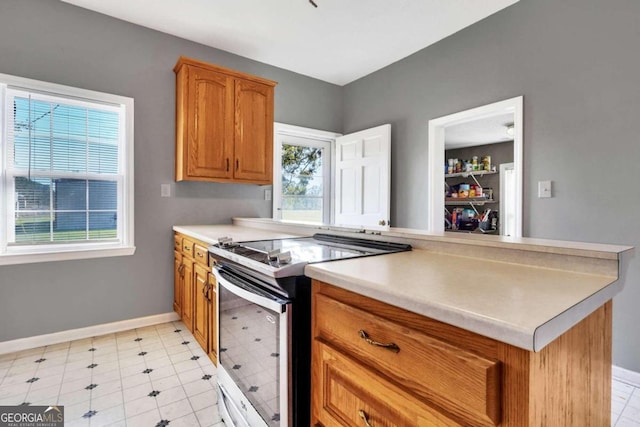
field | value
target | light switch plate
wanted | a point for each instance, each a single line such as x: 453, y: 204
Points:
x: 165, y: 190
x: 544, y: 189
x: 267, y: 194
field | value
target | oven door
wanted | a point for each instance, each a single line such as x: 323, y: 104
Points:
x: 253, y: 351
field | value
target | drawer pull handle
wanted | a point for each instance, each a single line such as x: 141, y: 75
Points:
x: 391, y: 346
x: 364, y: 417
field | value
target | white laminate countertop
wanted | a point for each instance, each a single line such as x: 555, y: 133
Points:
x: 524, y: 306
x: 527, y: 304
x: 211, y: 233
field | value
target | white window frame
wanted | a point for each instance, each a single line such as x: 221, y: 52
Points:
x: 22, y: 254
x: 281, y: 131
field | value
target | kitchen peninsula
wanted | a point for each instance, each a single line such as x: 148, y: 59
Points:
x: 489, y: 331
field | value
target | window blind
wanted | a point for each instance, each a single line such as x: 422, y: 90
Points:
x: 63, y: 172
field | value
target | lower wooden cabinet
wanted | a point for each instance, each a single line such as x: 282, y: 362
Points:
x: 195, y: 291
x: 374, y: 364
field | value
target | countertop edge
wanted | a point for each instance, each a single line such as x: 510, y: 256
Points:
x: 549, y: 331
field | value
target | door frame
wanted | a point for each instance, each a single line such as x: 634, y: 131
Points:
x: 435, y: 197
x: 283, y: 129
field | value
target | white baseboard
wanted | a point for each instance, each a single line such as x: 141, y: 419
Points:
x: 625, y: 375
x: 80, y: 333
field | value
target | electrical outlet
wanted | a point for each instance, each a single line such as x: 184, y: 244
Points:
x: 267, y: 194
x: 544, y: 189
x: 165, y: 190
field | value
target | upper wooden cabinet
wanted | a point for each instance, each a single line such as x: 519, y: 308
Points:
x: 224, y: 124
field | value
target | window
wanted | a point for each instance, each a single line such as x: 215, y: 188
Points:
x: 302, y: 174
x: 67, y: 172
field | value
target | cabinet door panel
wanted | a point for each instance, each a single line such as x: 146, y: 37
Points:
x: 347, y: 394
x: 253, y: 152
x: 209, y: 124
x: 201, y: 306
x: 187, y: 302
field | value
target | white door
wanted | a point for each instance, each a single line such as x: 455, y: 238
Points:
x: 363, y: 178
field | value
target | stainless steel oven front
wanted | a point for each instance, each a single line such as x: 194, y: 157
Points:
x: 254, y: 382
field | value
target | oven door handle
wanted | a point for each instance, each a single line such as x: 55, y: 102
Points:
x: 260, y: 300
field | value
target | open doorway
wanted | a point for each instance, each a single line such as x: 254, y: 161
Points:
x: 475, y: 170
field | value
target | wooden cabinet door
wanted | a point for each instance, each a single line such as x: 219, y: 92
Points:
x: 213, y: 319
x: 209, y: 124
x: 187, y: 301
x: 344, y: 393
x: 201, y: 306
x: 253, y: 149
x: 178, y: 283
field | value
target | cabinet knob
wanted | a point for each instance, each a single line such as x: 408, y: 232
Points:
x: 382, y: 222
x: 227, y: 164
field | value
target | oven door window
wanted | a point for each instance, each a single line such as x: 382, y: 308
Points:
x: 250, y: 352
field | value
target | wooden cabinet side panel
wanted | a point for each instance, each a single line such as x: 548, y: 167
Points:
x: 181, y: 122
x: 571, y: 377
x: 178, y: 283
x: 253, y: 139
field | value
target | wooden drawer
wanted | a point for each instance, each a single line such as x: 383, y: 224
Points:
x: 177, y: 242
x: 187, y: 247
x: 463, y: 384
x: 200, y: 254
x: 347, y: 394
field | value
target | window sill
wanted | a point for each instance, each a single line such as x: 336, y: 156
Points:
x: 65, y: 255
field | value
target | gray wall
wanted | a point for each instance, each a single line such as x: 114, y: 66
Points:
x: 56, y: 42
x: 576, y: 62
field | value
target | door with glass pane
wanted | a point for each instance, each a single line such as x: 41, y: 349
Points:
x: 303, y: 192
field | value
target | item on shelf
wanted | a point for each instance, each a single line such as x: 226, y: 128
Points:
x: 488, y: 193
x: 450, y: 166
x: 466, y: 220
x: 489, y: 221
x: 474, y: 162
x: 463, y: 191
x: 486, y: 163
x: 468, y: 166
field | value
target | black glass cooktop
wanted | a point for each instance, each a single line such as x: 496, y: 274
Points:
x: 319, y: 248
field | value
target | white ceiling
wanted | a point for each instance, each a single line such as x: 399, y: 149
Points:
x: 487, y: 130
x: 338, y: 42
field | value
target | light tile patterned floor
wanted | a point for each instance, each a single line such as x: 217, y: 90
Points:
x: 153, y: 376
x: 625, y: 404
